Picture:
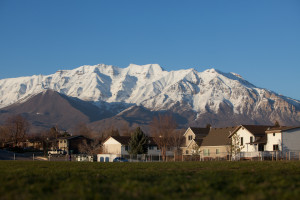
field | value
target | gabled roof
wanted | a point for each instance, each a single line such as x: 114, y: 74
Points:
x: 260, y: 140
x: 199, y: 141
x: 281, y: 129
x: 124, y: 140
x: 72, y: 137
x: 218, y: 137
x: 256, y: 130
x: 199, y: 132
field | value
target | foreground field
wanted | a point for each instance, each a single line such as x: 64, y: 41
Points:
x: 188, y: 180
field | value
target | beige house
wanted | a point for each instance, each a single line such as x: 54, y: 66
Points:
x: 217, y: 143
x: 70, y: 144
x: 193, y: 140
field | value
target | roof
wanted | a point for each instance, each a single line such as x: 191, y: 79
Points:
x: 218, y: 137
x: 199, y: 141
x: 256, y: 130
x: 200, y: 132
x: 124, y: 140
x: 281, y: 128
x: 72, y: 137
x: 260, y: 140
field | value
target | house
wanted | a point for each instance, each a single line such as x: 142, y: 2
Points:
x: 252, y: 139
x: 193, y: 139
x: 284, y: 139
x: 70, y: 144
x: 217, y: 143
x: 119, y: 145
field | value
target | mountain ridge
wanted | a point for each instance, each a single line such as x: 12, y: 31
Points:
x: 187, y: 92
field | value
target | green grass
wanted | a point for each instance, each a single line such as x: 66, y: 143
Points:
x: 188, y: 180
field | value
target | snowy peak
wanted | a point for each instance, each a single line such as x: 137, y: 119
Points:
x: 154, y: 88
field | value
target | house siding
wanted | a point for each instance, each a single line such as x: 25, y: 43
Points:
x: 274, y: 140
x: 224, y: 151
x: 245, y: 134
x: 112, y: 146
x: 291, y: 140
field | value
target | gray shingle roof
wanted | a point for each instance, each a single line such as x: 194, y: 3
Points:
x: 218, y: 137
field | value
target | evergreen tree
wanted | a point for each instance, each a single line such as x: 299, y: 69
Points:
x: 138, y: 143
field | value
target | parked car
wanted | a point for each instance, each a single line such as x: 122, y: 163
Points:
x: 120, y: 159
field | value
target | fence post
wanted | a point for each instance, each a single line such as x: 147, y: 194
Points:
x: 33, y: 157
x: 289, y: 155
x: 14, y: 156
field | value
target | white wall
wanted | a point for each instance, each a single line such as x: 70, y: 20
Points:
x: 112, y: 146
x: 273, y: 140
x: 242, y: 132
x: 291, y: 140
x: 106, y: 157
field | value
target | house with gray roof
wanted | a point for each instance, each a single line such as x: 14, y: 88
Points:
x: 217, y: 143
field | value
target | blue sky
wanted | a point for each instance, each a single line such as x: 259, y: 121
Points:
x: 259, y: 40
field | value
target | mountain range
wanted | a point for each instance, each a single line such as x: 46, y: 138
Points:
x: 104, y: 96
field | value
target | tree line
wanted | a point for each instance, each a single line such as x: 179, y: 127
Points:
x: 163, y: 131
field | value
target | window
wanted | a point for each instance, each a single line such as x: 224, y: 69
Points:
x: 206, y: 152
x: 275, y: 147
x: 251, y: 139
x: 151, y: 147
x: 126, y: 148
x: 242, y: 141
x: 274, y: 134
x: 187, y: 152
x: 217, y: 151
x: 190, y: 137
x: 60, y: 141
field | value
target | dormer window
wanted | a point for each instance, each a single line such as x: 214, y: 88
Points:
x: 190, y: 137
x: 274, y: 134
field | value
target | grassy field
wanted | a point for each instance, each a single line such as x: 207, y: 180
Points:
x: 188, y: 180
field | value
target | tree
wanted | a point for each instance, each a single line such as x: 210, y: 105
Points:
x: 162, y: 129
x: 84, y: 130
x: 235, y: 147
x: 3, y: 135
x: 176, y: 141
x: 17, y: 128
x: 90, y: 148
x: 138, y: 143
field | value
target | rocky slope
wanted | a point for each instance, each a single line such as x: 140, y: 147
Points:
x: 198, y: 98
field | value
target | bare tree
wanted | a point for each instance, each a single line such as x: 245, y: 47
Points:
x: 235, y: 146
x: 17, y: 128
x: 3, y: 135
x: 162, y: 129
x: 176, y: 141
x: 125, y: 129
x: 90, y: 148
x: 84, y: 130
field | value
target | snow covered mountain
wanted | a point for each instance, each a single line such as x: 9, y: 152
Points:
x: 195, y: 95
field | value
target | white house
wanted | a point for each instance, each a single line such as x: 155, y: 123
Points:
x: 116, y: 146
x: 283, y: 139
x: 252, y: 139
x: 255, y: 139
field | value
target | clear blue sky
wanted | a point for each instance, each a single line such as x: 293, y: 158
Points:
x: 258, y: 39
